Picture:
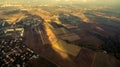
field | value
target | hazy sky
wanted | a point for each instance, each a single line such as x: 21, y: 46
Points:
x: 61, y: 0
x: 105, y: 2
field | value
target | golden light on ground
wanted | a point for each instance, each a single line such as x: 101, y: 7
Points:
x: 62, y: 54
x: 83, y: 17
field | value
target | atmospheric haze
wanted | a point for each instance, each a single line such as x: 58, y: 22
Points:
x: 95, y: 2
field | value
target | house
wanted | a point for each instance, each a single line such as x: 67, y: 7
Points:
x: 14, y: 32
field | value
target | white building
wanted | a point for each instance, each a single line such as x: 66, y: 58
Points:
x: 14, y: 31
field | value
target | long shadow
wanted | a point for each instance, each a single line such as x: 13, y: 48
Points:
x: 32, y: 38
x: 36, y: 38
x: 109, y: 35
x: 109, y: 43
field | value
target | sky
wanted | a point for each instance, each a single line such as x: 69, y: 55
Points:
x: 102, y: 2
x: 61, y: 0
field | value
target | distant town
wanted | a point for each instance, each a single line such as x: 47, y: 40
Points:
x: 13, y: 51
